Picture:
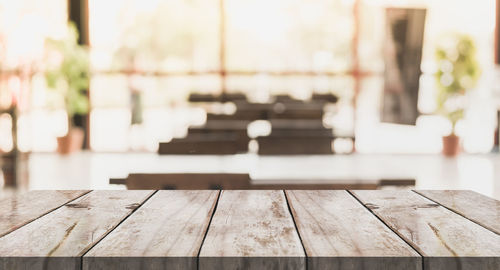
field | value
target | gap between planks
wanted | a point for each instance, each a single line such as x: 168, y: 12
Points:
x: 387, y: 225
x: 208, y: 228
x: 46, y: 213
x: 456, y: 212
x: 296, y: 228
x: 113, y: 228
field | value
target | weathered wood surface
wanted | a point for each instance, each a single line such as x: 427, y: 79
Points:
x: 59, y: 239
x: 445, y: 239
x: 17, y: 210
x: 339, y: 233
x: 252, y: 230
x: 259, y: 229
x: 165, y: 233
x: 476, y: 207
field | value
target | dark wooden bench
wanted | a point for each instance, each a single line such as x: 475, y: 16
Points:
x: 265, y: 111
x: 297, y: 137
x: 222, y: 143
x: 225, y: 97
x: 316, y: 97
x: 330, y: 98
x: 295, y: 145
x: 238, y: 128
x: 234, y: 181
x: 189, y: 181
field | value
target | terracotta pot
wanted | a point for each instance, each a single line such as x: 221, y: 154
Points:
x: 70, y: 143
x: 451, y: 145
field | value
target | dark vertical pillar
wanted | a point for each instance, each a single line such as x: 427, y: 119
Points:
x: 78, y: 14
x: 497, y: 33
x: 497, y: 63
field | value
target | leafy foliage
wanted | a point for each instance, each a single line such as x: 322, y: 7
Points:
x: 69, y: 76
x: 458, y: 73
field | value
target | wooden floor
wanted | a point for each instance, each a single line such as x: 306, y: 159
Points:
x: 258, y: 229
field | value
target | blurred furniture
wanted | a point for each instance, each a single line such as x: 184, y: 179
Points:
x: 237, y: 128
x: 297, y: 137
x: 233, y: 229
x: 233, y: 181
x: 295, y: 144
x: 278, y: 110
x: 220, y: 143
x: 330, y: 98
x: 185, y: 181
x: 297, y: 127
x: 224, y: 97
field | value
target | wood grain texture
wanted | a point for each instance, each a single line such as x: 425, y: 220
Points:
x: 59, y: 239
x: 476, y: 207
x: 446, y: 239
x: 339, y: 232
x: 252, y: 230
x: 165, y: 233
x: 17, y: 210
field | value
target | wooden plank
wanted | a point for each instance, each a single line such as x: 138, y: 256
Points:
x: 252, y: 230
x: 472, y: 205
x: 447, y: 240
x: 337, y: 231
x: 165, y: 233
x: 59, y: 239
x: 16, y: 210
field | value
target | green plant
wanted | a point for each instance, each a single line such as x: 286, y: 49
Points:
x: 458, y: 73
x: 69, y: 75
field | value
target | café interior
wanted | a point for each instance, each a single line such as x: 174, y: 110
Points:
x: 249, y: 94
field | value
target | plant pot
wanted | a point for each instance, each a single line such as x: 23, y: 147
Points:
x: 70, y: 143
x: 451, y: 145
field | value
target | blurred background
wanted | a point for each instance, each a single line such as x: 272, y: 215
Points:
x: 406, y: 90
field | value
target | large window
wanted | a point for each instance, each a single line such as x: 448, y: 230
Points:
x: 166, y: 49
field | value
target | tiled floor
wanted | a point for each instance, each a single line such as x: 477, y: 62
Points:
x: 93, y: 170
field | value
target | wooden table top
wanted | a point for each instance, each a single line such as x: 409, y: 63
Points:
x: 257, y: 229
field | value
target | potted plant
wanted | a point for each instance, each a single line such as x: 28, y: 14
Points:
x: 458, y: 73
x: 67, y: 73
